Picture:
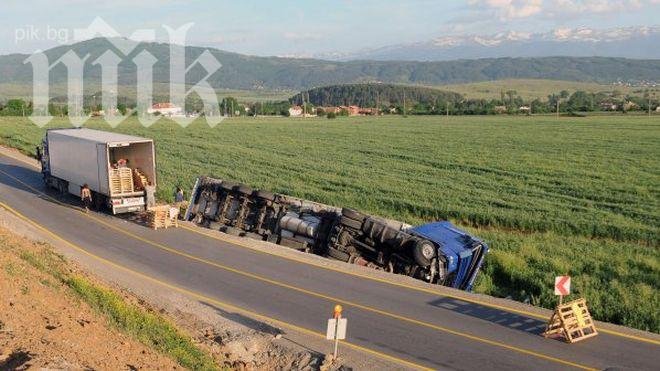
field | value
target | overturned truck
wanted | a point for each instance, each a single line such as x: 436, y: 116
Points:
x: 437, y: 252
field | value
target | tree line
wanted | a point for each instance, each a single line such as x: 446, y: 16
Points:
x: 388, y: 99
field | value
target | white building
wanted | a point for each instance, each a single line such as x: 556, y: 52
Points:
x: 295, y: 111
x: 166, y: 109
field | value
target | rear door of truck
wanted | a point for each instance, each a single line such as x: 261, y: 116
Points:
x: 102, y: 165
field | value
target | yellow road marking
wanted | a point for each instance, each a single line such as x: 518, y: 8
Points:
x: 318, y: 295
x: 225, y: 306
x: 363, y: 276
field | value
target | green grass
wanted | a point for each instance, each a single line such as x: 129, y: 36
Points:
x: 149, y: 328
x: 551, y: 196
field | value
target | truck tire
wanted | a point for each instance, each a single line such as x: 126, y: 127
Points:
x: 243, y: 189
x: 293, y: 243
x: 268, y: 196
x: 254, y: 236
x: 423, y: 253
x: 351, y: 223
x: 339, y: 255
x: 232, y: 231
x: 100, y: 201
x: 228, y: 186
x: 273, y: 238
x: 353, y: 214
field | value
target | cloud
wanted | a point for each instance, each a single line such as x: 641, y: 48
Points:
x: 506, y: 10
x: 597, y: 6
x: 510, y: 9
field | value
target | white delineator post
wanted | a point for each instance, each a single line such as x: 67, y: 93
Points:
x: 334, y: 353
x: 336, y: 329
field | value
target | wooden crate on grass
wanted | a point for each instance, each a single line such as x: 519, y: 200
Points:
x: 162, y: 216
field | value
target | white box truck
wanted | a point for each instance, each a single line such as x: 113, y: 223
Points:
x: 119, y: 169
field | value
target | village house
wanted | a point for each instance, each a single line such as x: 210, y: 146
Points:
x: 166, y: 109
x: 630, y: 106
x: 327, y: 110
x: 295, y: 111
x: 499, y: 109
x: 369, y: 111
x: 350, y: 110
x: 608, y: 106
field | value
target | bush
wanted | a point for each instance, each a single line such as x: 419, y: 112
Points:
x: 331, y: 115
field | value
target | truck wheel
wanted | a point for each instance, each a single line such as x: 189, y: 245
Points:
x: 423, y: 252
x: 351, y: 223
x: 100, y: 201
x: 268, y: 196
x: 243, y: 189
x: 293, y: 243
x: 339, y: 255
x: 254, y: 236
x: 227, y: 186
x: 63, y: 187
x: 353, y: 214
x: 232, y: 231
x: 273, y: 238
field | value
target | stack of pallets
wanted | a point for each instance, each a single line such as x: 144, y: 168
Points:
x: 140, y: 179
x: 163, y: 216
x: 121, y: 181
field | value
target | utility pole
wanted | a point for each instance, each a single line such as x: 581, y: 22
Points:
x: 404, y: 102
x: 447, y: 108
x: 557, y: 107
x: 377, y: 102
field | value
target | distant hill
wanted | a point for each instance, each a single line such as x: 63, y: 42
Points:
x: 626, y: 42
x: 273, y: 73
x: 374, y: 95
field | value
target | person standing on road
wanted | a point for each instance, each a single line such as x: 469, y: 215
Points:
x: 178, y: 195
x: 86, y: 197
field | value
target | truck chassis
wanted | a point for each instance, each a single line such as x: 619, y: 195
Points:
x: 338, y: 233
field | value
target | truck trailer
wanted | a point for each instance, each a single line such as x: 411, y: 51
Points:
x: 119, y: 169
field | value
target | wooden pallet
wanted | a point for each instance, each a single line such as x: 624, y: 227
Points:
x: 163, y: 216
x: 121, y: 181
x: 572, y: 322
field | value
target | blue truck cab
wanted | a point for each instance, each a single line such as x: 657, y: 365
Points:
x: 461, y: 255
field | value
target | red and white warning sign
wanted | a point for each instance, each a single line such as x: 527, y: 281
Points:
x: 562, y: 285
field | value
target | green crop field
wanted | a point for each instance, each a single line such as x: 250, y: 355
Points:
x: 550, y: 196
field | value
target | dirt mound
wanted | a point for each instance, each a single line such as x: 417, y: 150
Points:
x: 43, y: 325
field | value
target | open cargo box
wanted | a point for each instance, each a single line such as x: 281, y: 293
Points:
x: 73, y: 157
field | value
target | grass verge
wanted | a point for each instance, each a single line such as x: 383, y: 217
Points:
x: 149, y: 328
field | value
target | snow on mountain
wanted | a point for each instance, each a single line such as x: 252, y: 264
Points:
x: 628, y: 42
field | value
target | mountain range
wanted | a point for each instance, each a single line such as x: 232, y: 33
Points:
x: 625, y: 42
x: 274, y: 73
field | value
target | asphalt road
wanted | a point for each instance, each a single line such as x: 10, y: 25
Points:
x: 421, y: 328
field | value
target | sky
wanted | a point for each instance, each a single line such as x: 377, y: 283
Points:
x: 312, y: 27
